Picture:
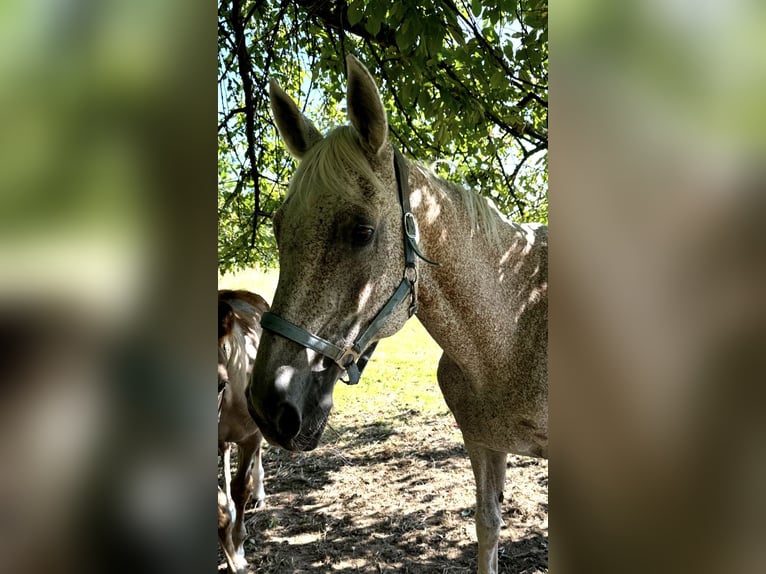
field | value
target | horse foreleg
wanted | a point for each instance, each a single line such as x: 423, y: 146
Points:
x: 242, y: 487
x: 260, y: 492
x: 489, y: 472
x: 231, y: 529
x: 224, y: 448
x: 225, y: 531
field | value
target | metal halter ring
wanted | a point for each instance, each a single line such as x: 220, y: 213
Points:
x: 343, y: 362
x: 414, y: 274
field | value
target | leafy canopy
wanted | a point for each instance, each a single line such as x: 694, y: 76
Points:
x: 464, y: 84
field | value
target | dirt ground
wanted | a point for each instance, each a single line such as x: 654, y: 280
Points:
x: 390, y: 495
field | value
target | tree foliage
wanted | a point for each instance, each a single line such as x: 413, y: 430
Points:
x: 465, y: 84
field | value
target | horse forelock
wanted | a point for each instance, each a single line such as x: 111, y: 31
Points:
x: 334, y: 165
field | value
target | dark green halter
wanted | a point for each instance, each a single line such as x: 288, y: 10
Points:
x: 353, y: 358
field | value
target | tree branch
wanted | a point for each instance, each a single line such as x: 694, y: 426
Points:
x: 230, y: 114
x: 334, y: 13
x: 523, y: 132
x: 509, y: 183
x: 237, y: 24
x: 400, y: 106
x: 491, y: 50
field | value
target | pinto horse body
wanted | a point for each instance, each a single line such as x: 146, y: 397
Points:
x: 239, y: 332
x: 340, y: 234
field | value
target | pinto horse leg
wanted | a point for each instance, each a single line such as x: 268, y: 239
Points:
x: 489, y: 472
x: 242, y: 487
x: 225, y: 530
x: 229, y: 517
x: 224, y: 448
x: 260, y: 492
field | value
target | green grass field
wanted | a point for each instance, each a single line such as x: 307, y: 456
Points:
x: 401, y: 376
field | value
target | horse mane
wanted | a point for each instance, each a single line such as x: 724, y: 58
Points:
x: 339, y: 155
x: 483, y: 216
x: 243, y: 305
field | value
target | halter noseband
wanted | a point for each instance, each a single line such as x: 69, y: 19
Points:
x: 353, y: 358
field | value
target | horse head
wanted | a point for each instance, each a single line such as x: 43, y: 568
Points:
x: 340, y: 236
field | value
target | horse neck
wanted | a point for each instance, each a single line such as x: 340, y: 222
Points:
x: 479, y: 289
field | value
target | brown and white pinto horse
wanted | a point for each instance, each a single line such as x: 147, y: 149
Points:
x: 347, y: 234
x: 239, y: 332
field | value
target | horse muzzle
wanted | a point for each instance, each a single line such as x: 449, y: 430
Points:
x: 290, y: 405
x: 288, y: 429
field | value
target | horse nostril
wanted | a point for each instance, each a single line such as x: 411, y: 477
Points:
x: 288, y: 421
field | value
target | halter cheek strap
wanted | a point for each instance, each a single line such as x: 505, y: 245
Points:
x: 353, y: 358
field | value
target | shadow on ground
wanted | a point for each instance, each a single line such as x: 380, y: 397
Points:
x: 378, y: 498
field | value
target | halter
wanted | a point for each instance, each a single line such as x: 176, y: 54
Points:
x: 353, y: 358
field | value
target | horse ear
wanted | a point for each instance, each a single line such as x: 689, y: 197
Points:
x: 297, y: 131
x: 365, y: 107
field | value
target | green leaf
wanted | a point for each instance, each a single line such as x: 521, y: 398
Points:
x: 499, y: 79
x: 355, y: 13
x: 396, y: 11
x: 404, y: 92
x: 434, y: 42
x: 405, y: 36
x: 373, y: 25
x: 508, y: 6
x: 378, y: 11
x: 476, y: 7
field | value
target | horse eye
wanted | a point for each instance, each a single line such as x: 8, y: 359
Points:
x: 362, y: 235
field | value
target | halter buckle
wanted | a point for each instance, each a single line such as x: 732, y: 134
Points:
x: 348, y: 353
x: 411, y: 226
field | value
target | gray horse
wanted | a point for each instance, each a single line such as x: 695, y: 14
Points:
x: 358, y: 235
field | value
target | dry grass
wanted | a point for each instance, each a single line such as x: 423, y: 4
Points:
x: 390, y: 489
